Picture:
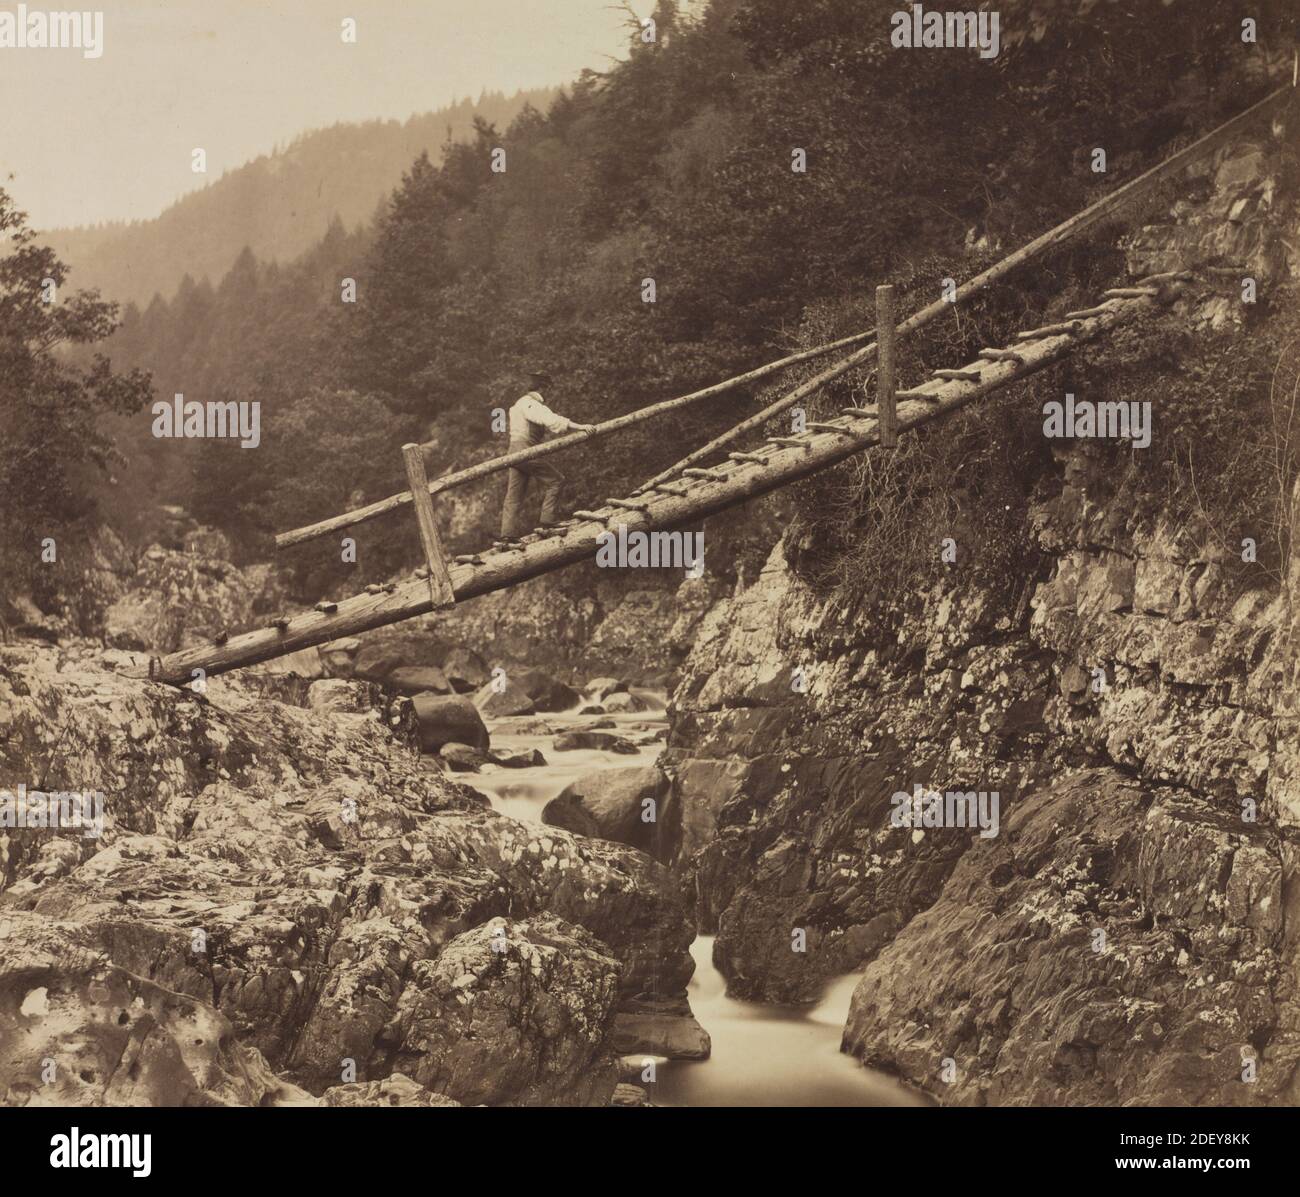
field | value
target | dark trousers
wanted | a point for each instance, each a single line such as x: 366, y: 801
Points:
x: 518, y: 480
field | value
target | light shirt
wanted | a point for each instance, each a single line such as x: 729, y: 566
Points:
x: 531, y: 420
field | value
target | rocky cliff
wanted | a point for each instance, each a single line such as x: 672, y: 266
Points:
x: 1129, y: 934
x: 285, y: 901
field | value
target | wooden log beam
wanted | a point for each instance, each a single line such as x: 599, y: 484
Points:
x: 440, y: 592
x: 1079, y: 223
x: 707, y: 497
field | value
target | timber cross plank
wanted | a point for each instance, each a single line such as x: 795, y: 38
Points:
x: 710, y: 493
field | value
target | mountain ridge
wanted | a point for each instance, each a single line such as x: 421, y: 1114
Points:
x: 278, y: 204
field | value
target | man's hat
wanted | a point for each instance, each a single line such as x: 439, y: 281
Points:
x: 540, y: 377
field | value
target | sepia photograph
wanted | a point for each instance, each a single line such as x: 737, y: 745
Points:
x: 646, y: 556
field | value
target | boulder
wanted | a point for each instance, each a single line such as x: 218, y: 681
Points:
x: 517, y: 1012
x: 418, y: 679
x: 461, y: 758
x: 447, y: 720
x: 546, y: 691
x: 375, y: 662
x: 527, y: 759
x: 601, y: 687
x: 660, y: 1028
x: 465, y: 670
x: 497, y: 700
x: 625, y: 702
x: 628, y: 1095
x: 598, y: 740
x: 612, y: 804
x: 592, y: 709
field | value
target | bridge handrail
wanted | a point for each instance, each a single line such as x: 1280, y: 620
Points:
x: 1062, y: 232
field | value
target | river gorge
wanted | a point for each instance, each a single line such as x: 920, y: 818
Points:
x: 962, y: 770
x: 761, y: 1053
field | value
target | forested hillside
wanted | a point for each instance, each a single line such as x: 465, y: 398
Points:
x: 676, y: 166
x: 278, y: 205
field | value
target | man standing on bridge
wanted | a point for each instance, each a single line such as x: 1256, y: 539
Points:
x: 531, y: 423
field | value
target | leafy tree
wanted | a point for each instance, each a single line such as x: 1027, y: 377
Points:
x: 50, y: 411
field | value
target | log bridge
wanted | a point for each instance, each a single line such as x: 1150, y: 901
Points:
x: 687, y: 493
x: 777, y: 463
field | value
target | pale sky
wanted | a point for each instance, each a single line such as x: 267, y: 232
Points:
x: 110, y: 138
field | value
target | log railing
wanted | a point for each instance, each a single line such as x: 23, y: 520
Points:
x: 1073, y: 227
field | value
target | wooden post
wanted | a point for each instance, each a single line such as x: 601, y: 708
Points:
x: 440, y: 591
x: 886, y: 365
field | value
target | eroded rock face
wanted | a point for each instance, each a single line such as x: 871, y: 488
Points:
x: 1116, y: 944
x: 970, y: 954
x: 295, y: 871
x: 77, y: 1030
x: 177, y: 599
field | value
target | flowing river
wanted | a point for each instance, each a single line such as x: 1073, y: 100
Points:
x: 763, y: 1055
